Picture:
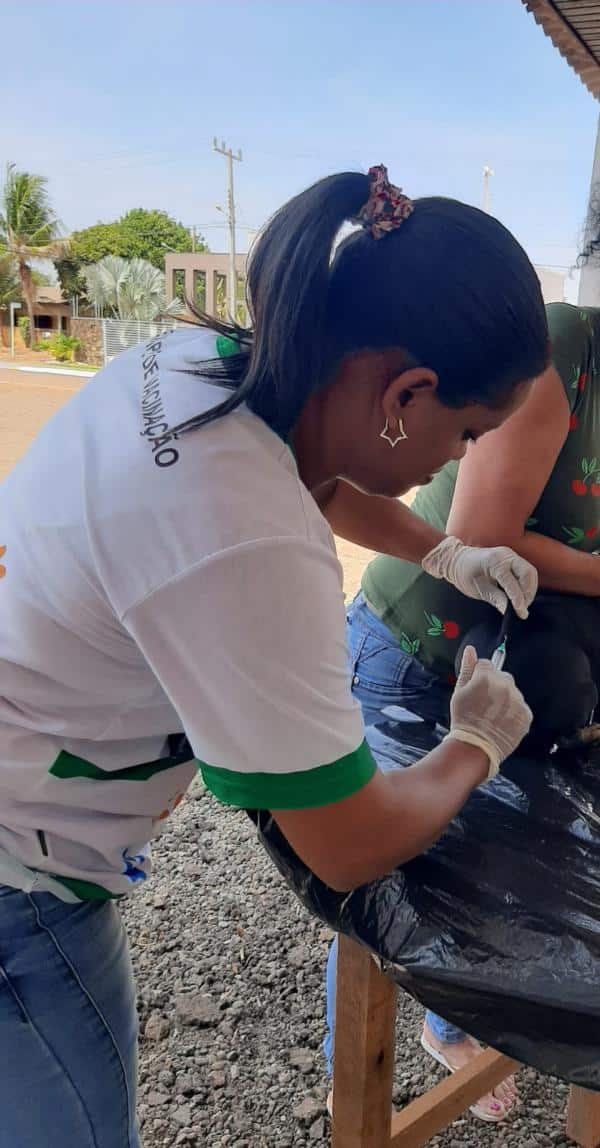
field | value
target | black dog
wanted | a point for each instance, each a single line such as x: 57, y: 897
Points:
x: 554, y: 657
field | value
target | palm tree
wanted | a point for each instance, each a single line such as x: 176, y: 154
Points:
x: 29, y: 230
x: 142, y: 291
x: 127, y: 289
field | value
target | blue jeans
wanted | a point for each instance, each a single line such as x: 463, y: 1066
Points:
x: 384, y: 675
x: 68, y: 1025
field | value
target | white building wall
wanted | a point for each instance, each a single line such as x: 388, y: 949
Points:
x: 553, y: 284
x: 589, y: 280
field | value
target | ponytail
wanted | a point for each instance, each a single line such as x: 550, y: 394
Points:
x: 282, y: 358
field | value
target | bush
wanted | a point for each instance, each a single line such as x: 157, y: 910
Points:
x: 42, y: 345
x: 23, y: 325
x: 63, y: 347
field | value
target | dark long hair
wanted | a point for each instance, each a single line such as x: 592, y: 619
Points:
x: 451, y: 287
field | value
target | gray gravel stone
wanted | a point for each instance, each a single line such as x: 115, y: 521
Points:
x: 156, y: 1027
x: 157, y: 1098
x: 299, y: 957
x: 302, y: 1058
x: 308, y: 1109
x: 317, y: 1130
x: 202, y: 1011
x: 182, y: 1115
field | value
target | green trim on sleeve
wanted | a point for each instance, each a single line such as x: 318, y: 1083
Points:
x: 307, y: 789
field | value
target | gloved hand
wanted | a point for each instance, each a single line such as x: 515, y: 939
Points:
x: 492, y: 574
x: 488, y: 710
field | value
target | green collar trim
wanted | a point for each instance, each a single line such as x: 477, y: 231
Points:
x: 227, y: 347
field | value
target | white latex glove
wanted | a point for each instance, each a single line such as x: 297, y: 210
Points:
x: 488, y: 710
x: 492, y: 574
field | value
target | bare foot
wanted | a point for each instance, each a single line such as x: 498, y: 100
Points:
x: 495, y: 1105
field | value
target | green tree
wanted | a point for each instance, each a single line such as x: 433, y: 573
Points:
x: 95, y: 242
x: 71, y: 278
x: 29, y: 230
x: 140, y: 234
x: 149, y: 234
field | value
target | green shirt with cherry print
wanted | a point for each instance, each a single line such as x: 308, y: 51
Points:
x: 429, y: 617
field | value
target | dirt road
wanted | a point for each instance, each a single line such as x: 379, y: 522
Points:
x: 27, y: 401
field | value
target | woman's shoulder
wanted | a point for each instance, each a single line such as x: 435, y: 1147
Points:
x: 572, y: 325
x: 573, y: 333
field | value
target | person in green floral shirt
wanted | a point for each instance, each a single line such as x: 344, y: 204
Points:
x: 533, y: 485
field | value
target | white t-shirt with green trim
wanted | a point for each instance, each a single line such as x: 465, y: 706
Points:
x: 153, y: 587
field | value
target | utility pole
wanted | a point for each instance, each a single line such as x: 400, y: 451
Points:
x: 487, y: 198
x: 232, y: 277
x: 12, y: 308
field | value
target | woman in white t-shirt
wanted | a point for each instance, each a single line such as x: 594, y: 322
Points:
x: 171, y: 599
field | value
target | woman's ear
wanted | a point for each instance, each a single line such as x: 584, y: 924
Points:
x: 404, y: 389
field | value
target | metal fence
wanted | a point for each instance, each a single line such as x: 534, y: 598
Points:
x: 119, y: 334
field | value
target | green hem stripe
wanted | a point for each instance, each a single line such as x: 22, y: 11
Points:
x: 67, y: 766
x: 308, y: 789
x: 86, y: 890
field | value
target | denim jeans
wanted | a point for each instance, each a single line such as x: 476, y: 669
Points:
x: 68, y: 1025
x: 383, y: 674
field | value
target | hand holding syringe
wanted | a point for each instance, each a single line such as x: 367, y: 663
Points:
x: 487, y: 708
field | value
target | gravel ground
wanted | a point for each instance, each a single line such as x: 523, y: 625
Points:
x: 230, y: 981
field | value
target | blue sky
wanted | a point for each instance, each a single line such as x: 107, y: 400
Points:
x: 117, y: 104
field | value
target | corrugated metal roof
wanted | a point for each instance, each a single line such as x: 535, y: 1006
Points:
x: 574, y: 28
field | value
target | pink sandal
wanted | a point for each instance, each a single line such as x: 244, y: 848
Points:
x: 476, y: 1109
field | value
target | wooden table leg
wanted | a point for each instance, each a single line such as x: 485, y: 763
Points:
x: 364, y: 1051
x: 583, y: 1119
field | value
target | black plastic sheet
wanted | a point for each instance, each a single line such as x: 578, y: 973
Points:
x: 497, y: 927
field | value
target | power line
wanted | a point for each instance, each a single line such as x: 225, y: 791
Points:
x: 219, y: 223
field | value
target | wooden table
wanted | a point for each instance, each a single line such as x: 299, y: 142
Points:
x: 364, y: 1068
